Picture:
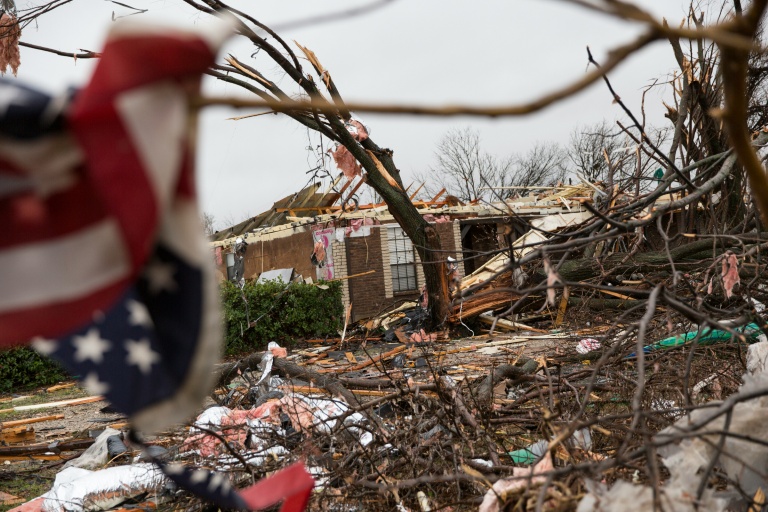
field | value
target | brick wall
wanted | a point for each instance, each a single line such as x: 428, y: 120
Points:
x: 448, y: 236
x: 366, y: 292
x: 372, y: 294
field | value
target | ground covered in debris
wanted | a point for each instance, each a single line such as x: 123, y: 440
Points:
x: 388, y: 425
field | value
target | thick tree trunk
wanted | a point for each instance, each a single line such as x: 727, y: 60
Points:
x: 424, y: 236
x: 586, y: 268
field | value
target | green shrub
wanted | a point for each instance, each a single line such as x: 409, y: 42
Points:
x: 23, y: 368
x: 279, y: 312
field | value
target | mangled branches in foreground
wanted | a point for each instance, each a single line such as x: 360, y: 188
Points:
x: 682, y: 253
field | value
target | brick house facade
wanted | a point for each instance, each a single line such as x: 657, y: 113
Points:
x: 352, y: 253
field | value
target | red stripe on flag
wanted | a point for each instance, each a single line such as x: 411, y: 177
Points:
x: 11, y: 169
x: 128, y: 67
x: 113, y: 160
x: 118, y: 175
x: 52, y: 320
x: 59, y: 215
x: 292, y: 485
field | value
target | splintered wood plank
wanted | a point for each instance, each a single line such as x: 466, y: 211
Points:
x: 378, y: 358
x: 27, y: 421
x: 57, y: 387
x: 17, y: 435
x: 43, y: 448
x: 350, y: 357
x: 62, y: 403
x: 16, y: 458
x: 562, y: 308
x: 401, y: 337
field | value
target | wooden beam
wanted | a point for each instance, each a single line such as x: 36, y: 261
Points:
x: 60, y: 386
x: 562, y: 308
x: 10, y: 499
x: 380, y: 357
x: 502, y: 324
x: 439, y: 194
x: 417, y: 190
x: 17, y: 435
x: 18, y: 458
x: 41, y: 448
x: 62, y: 403
x: 351, y: 277
x: 359, y: 184
x: 18, y: 423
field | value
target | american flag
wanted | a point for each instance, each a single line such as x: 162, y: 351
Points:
x: 103, y: 262
x: 101, y: 239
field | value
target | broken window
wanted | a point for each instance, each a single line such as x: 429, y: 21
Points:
x: 230, y: 266
x: 402, y: 260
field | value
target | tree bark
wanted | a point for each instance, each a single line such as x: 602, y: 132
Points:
x: 585, y: 268
x: 423, y: 235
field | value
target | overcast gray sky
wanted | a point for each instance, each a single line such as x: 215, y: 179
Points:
x: 416, y: 51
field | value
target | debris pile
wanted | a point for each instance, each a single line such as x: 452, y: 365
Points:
x: 485, y: 421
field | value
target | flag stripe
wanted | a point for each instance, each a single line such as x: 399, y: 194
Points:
x: 159, y: 145
x: 62, y: 269
x: 60, y: 218
x: 41, y: 158
x: 124, y: 192
x: 180, y: 56
x: 49, y: 321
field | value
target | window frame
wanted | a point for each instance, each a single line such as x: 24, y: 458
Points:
x: 402, y: 261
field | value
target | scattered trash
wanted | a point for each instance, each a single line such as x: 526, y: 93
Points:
x: 498, y: 495
x: 588, y: 345
x: 97, y: 454
x: 706, y: 336
x: 80, y: 490
x: 581, y: 439
x: 530, y: 454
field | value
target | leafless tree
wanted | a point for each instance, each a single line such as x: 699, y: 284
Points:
x: 464, y: 169
x: 592, y: 149
x: 542, y: 165
x: 470, y: 173
x: 209, y: 223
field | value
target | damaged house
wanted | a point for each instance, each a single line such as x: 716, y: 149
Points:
x: 313, y: 237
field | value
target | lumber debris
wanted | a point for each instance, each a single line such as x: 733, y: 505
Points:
x: 50, y: 405
x: 15, y: 435
x: 507, y: 325
x: 42, y: 448
x: 27, y: 421
x: 58, y: 387
x: 10, y: 499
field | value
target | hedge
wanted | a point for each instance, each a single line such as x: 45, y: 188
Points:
x: 23, y: 368
x: 279, y: 312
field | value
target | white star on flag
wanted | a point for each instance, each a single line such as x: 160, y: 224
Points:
x: 91, y: 346
x: 11, y: 96
x: 199, y: 476
x: 140, y: 353
x: 160, y: 276
x: 217, y: 480
x: 44, y: 346
x: 94, y: 385
x: 139, y: 315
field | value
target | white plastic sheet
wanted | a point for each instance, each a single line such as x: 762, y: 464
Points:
x: 80, y: 490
